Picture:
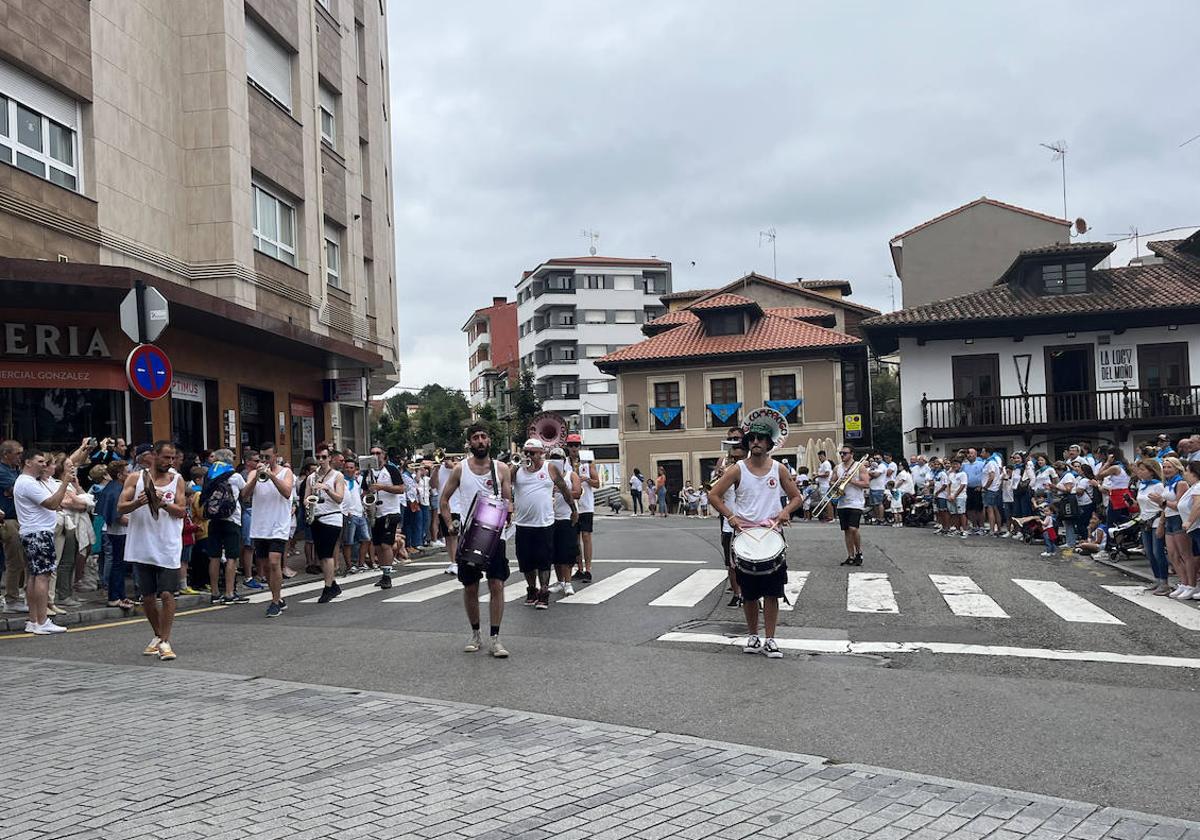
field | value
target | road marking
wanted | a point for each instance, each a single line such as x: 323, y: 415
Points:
x: 964, y: 597
x: 1170, y: 609
x: 884, y: 648
x: 514, y: 590
x: 870, y: 592
x: 691, y: 590
x: 598, y: 593
x: 792, y: 590
x: 426, y: 594
x: 715, y: 559
x: 1066, y: 604
x: 264, y: 595
x: 364, y: 588
x: 121, y: 623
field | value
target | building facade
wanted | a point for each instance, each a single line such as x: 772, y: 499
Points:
x: 235, y: 157
x: 1057, y: 351
x: 754, y: 342
x: 570, y: 313
x: 493, y: 357
x: 967, y: 248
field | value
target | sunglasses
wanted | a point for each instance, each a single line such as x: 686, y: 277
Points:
x: 845, y: 452
x: 532, y: 452
x: 572, y: 445
x: 322, y: 457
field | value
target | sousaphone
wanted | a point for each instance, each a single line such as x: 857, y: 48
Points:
x: 550, y: 428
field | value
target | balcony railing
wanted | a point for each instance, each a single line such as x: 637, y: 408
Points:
x: 1133, y: 407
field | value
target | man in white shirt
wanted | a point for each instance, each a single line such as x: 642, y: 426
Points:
x: 533, y: 489
x: 387, y: 483
x: 824, y: 475
x: 877, y: 471
x: 851, y: 504
x: 993, y: 479
x: 271, y: 519
x: 956, y: 497
x: 36, y: 504
x: 920, y: 475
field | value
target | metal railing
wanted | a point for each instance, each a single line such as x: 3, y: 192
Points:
x: 1139, y: 406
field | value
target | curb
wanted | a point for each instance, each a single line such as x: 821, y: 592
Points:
x: 95, y: 615
x: 1126, y: 569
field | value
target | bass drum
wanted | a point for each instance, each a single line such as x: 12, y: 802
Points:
x: 759, y: 551
x: 482, y: 531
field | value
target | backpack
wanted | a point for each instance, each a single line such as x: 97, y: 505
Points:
x: 1097, y: 497
x: 218, y: 500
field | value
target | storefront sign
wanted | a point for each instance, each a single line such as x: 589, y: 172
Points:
x: 49, y: 340
x: 81, y: 375
x: 346, y: 389
x: 852, y: 425
x: 187, y: 388
x: 1116, y: 366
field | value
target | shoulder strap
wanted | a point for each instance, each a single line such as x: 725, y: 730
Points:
x: 495, y: 481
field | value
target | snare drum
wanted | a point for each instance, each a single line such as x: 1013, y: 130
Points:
x: 759, y: 551
x: 482, y: 531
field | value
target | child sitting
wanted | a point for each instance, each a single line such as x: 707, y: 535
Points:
x: 1097, y: 540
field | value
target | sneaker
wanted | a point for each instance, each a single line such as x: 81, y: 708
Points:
x: 734, y: 602
x: 282, y: 603
x: 1049, y: 554
x: 254, y: 584
x: 474, y: 643
x: 385, y: 582
x: 152, y: 648
x: 556, y: 587
x: 452, y: 569
x: 274, y: 610
x: 20, y: 606
x: 1162, y: 589
x: 587, y: 577
x: 543, y: 601
x: 578, y: 575
x: 187, y: 590
x: 236, y: 598
x: 963, y: 535
x: 326, y: 595
x: 531, y: 596
x: 71, y: 603
x: 1184, y: 594
x: 568, y: 589
x: 1196, y: 594
x: 497, y: 650
x: 849, y: 561
x: 213, y: 601
x: 337, y: 590
x: 165, y: 652
x: 753, y: 645
x: 772, y: 650
x: 30, y: 627
x: 49, y: 626
x: 438, y: 543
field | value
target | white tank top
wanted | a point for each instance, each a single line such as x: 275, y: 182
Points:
x: 271, y: 517
x: 534, y: 507
x: 352, y: 502
x: 562, y: 509
x: 728, y: 499
x: 156, y: 542
x: 586, y: 502
x: 471, y: 485
x: 853, y: 498
x: 756, y: 498
x: 444, y: 474
x: 329, y: 512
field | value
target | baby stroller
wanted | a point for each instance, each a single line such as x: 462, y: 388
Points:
x: 1125, y: 540
x: 918, y: 512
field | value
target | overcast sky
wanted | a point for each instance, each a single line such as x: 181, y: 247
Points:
x: 683, y: 128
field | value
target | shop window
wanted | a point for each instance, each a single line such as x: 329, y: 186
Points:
x: 274, y: 225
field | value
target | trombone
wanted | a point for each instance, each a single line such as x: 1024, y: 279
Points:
x: 838, y: 488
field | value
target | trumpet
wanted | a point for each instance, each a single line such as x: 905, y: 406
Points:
x: 838, y: 488
x: 264, y: 473
x: 527, y: 461
x: 153, y: 502
x: 369, y: 500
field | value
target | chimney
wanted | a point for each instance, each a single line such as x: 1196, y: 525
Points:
x: 499, y: 301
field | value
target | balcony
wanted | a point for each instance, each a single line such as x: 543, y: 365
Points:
x: 1122, y: 410
x: 480, y: 339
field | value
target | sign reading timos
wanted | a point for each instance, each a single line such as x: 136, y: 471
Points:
x: 49, y: 340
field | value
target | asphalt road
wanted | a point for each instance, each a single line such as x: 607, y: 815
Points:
x: 1106, y: 732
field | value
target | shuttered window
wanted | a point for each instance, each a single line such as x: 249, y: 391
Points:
x: 268, y: 63
x: 38, y: 128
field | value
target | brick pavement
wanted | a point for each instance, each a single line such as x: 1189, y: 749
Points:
x: 301, y: 761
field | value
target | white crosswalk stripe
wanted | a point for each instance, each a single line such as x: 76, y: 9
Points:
x: 792, y: 590
x: 1170, y: 609
x: 512, y: 591
x: 1066, y: 604
x: 964, y: 597
x: 691, y: 590
x: 366, y: 585
x: 264, y: 596
x: 601, y: 591
x: 870, y: 592
x: 426, y: 593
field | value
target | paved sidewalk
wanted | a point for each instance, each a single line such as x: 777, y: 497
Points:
x: 92, y: 751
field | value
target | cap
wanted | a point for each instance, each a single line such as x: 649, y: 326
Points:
x: 535, y: 444
x: 557, y: 452
x: 574, y: 438
x: 142, y: 449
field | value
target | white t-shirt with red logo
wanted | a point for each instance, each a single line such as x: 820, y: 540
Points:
x: 533, y: 497
x: 757, y: 498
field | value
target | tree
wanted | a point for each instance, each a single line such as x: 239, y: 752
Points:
x: 441, y: 418
x: 394, y: 431
x: 497, y: 428
x: 887, y: 430
x: 526, y: 405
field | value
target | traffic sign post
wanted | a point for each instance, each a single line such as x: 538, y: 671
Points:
x: 144, y: 315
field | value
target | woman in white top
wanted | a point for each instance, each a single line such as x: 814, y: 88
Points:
x: 1149, y: 494
x: 36, y: 505
x: 636, y: 483
x: 1044, y: 475
x: 1116, y: 477
x: 1189, y: 512
x: 1179, y: 545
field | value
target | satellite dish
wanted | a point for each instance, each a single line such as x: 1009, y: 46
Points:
x: 1081, y: 226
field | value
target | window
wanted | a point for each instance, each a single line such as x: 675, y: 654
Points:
x: 328, y: 109
x: 625, y: 316
x: 274, y: 225
x: 594, y: 316
x: 623, y: 283
x: 723, y: 391
x: 333, y: 258
x: 558, y: 283
x: 268, y: 64
x: 598, y: 386
x: 725, y: 323
x: 566, y: 319
x: 360, y: 47
x: 1069, y: 279
x: 783, y: 387
x: 594, y: 351
x: 593, y: 281
x: 39, y: 140
x: 599, y: 421
x: 567, y: 354
x: 666, y: 394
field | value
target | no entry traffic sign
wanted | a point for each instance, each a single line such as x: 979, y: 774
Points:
x: 149, y: 372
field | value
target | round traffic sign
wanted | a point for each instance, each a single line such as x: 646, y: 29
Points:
x: 149, y: 372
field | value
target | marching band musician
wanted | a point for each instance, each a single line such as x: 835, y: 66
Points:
x: 388, y: 484
x: 589, y: 477
x: 329, y: 487
x: 851, y: 504
x: 734, y: 453
x: 471, y: 477
x: 756, y: 502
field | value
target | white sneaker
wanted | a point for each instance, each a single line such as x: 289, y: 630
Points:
x: 474, y: 643
x: 439, y: 543
x: 20, y: 606
x: 50, y: 627
x: 30, y: 626
x: 1196, y: 594
x: 36, y: 629
x: 771, y: 649
x: 1175, y: 593
x: 452, y: 569
x: 963, y: 535
x: 568, y: 589
x: 557, y: 586
x: 1184, y: 593
x: 1048, y: 554
x: 753, y: 645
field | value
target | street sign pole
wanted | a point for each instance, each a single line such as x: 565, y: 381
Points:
x: 140, y: 290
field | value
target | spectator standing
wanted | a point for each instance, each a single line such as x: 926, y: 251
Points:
x: 1149, y: 494
x: 972, y: 466
x: 115, y: 530
x: 36, y: 507
x: 636, y: 483
x: 11, y: 453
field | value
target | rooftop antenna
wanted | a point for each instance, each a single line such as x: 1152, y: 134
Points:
x: 892, y: 283
x: 1059, y: 147
x: 769, y: 234
x: 594, y: 236
x: 1133, y: 234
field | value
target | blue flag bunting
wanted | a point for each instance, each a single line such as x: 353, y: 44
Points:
x: 723, y: 411
x: 666, y: 414
x: 784, y: 407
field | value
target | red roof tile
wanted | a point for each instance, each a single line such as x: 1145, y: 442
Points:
x: 984, y: 200
x: 802, y: 313
x: 723, y: 301
x: 798, y: 291
x: 678, y: 316
x: 768, y: 334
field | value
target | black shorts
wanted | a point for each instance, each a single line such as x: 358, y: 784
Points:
x: 727, y: 547
x: 762, y: 586
x: 535, y: 548
x: 566, y: 547
x: 497, y: 568
x: 155, y: 580
x: 585, y: 523
x: 226, y: 536
x: 263, y: 548
x: 974, y: 498
x: 325, y: 539
x: 383, y: 532
x: 849, y: 518
x: 446, y: 526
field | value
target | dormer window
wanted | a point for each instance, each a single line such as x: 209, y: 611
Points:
x: 725, y: 323
x: 1068, y: 279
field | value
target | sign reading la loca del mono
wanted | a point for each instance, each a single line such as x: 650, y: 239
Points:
x: 49, y: 340
x: 1116, y: 365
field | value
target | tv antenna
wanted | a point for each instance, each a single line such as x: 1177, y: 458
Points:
x: 1059, y: 147
x: 769, y: 234
x: 892, y: 284
x: 594, y: 236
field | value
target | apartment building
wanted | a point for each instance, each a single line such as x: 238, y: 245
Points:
x: 572, y: 311
x: 234, y: 156
x: 492, y: 353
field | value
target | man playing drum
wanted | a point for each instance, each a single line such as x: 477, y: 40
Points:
x: 757, y: 505
x: 473, y: 477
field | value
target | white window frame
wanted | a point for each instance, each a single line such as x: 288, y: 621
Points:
x: 280, y: 203
x: 632, y: 319
x: 590, y: 316
x: 595, y: 351
x: 735, y: 374
x: 798, y: 373
x: 14, y: 146
x: 333, y: 256
x: 624, y: 283
x: 651, y: 381
x: 327, y: 109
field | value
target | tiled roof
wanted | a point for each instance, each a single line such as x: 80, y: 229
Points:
x: 605, y: 261
x: 798, y: 291
x: 984, y: 200
x: 1094, y: 252
x: 825, y: 284
x: 678, y: 316
x: 723, y: 301
x: 686, y: 294
x: 802, y: 313
x: 768, y: 334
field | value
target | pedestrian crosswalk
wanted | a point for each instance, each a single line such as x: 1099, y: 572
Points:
x: 869, y: 593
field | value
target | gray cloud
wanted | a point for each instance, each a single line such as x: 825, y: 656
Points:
x: 682, y: 128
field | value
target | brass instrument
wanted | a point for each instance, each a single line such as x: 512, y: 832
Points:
x: 264, y: 473
x: 369, y: 501
x: 310, y: 508
x: 838, y: 488
x: 549, y: 428
x: 153, y: 501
